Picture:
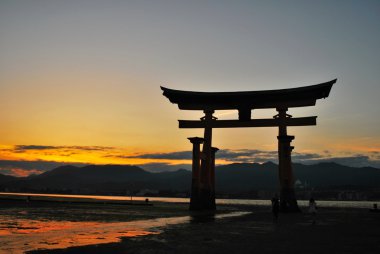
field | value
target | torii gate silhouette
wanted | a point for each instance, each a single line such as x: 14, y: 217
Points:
x: 203, y: 164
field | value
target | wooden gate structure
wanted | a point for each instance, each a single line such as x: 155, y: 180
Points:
x: 203, y: 163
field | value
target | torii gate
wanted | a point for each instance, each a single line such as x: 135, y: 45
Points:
x: 203, y: 165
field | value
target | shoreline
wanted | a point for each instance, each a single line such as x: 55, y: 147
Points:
x: 338, y: 230
x: 139, y: 199
x: 36, y: 201
x: 117, y: 228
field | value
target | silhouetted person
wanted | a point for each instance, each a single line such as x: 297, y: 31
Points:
x: 374, y: 209
x: 313, y: 209
x: 275, y: 207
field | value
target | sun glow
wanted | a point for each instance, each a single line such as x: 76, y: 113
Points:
x: 79, y: 154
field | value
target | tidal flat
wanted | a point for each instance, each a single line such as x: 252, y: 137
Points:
x: 40, y: 225
x: 171, y: 228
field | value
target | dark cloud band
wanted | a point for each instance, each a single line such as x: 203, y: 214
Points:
x: 21, y: 148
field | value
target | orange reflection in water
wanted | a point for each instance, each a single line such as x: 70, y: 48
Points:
x: 23, y: 226
x: 18, y: 236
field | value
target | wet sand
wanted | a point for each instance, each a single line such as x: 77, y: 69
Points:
x: 337, y: 230
x: 33, y: 225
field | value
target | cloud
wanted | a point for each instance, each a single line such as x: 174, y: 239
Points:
x: 183, y: 155
x: 91, y: 148
x: 261, y: 156
x: 19, y: 172
x: 40, y: 151
x: 22, y: 148
x: 351, y: 161
x: 33, y: 147
x: 306, y: 156
x: 226, y: 154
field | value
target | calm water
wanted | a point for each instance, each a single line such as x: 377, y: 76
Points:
x: 321, y: 203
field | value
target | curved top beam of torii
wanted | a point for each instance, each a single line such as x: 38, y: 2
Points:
x: 281, y: 98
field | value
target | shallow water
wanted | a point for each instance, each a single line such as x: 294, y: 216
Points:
x: 29, y: 227
x: 26, y: 235
x: 321, y: 203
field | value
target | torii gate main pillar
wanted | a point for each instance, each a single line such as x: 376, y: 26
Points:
x: 207, y: 191
x: 288, y: 201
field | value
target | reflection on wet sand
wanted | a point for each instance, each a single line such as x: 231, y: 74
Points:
x: 203, y: 217
x: 20, y: 235
x: 23, y: 235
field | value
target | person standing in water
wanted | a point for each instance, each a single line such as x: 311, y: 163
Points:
x: 275, y: 207
x: 313, y: 210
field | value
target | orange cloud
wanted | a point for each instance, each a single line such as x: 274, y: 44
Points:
x: 19, y: 172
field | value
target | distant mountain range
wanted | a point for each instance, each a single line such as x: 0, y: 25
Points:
x: 229, y: 178
x: 323, y: 175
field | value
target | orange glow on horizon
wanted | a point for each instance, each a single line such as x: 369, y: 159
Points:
x: 78, y: 155
x: 99, y: 155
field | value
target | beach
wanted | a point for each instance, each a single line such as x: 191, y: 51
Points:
x: 171, y: 228
x: 336, y: 231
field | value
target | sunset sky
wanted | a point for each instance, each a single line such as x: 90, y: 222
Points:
x: 80, y: 79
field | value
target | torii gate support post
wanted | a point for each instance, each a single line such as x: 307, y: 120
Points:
x: 212, y: 177
x: 195, y: 181
x: 206, y: 199
x: 288, y: 201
